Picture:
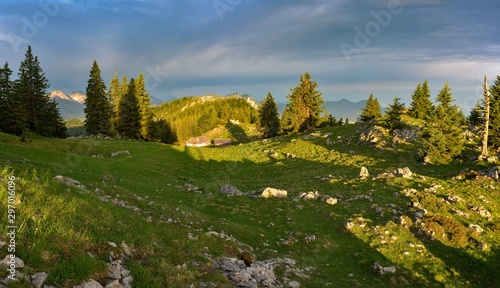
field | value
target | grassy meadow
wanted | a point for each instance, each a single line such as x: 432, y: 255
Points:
x: 65, y: 230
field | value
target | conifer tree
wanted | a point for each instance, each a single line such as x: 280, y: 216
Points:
x: 476, y: 115
x: 114, y: 94
x: 305, y: 106
x: 394, y: 113
x: 98, y: 109
x: 494, y: 127
x: 144, y: 101
x: 346, y: 121
x: 54, y: 124
x: 442, y: 137
x: 129, y: 116
x: 12, y: 117
x: 332, y: 121
x: 421, y: 105
x: 371, y: 110
x: 269, y: 121
x: 31, y: 88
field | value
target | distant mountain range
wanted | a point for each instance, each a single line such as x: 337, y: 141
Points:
x: 71, y: 105
x: 339, y: 109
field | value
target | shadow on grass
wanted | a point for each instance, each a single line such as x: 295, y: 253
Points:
x: 476, y: 272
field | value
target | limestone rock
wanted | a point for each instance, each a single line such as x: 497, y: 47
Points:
x: 114, y: 284
x: 363, y: 173
x: 89, y: 284
x: 114, y: 154
x: 403, y: 172
x: 374, y: 135
x: 115, y: 269
x: 309, y: 195
x: 331, y: 201
x: 273, y: 193
x: 477, y: 228
x: 7, y: 261
x: 383, y: 270
x: 69, y: 182
x: 38, y: 279
x: 230, y: 190
x: 406, y: 135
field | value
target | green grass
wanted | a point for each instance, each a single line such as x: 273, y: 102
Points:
x: 61, y: 225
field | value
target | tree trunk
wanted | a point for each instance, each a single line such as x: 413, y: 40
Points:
x: 484, y: 150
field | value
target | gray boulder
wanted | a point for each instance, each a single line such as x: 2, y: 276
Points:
x: 230, y: 190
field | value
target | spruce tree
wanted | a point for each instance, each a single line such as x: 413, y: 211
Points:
x: 476, y: 115
x: 129, y: 116
x: 98, y: 109
x: 442, y: 137
x: 394, y: 113
x: 494, y: 127
x: 269, y: 121
x: 114, y: 94
x: 332, y: 121
x: 12, y: 117
x: 371, y: 110
x: 31, y: 88
x: 54, y: 124
x: 305, y: 106
x: 144, y: 101
x: 421, y: 105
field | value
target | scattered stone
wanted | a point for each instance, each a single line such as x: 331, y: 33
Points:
x: 452, y: 199
x: 399, y: 220
x: 383, y: 270
x: 273, y: 193
x: 418, y: 215
x: 403, y: 172
x: 113, y: 284
x: 309, y: 195
x: 460, y: 213
x: 406, y: 135
x: 190, y: 188
x: 310, y: 238
x: 363, y: 173
x: 494, y: 172
x: 477, y: 228
x: 359, y: 197
x: 68, y: 181
x: 290, y: 156
x: 348, y: 225
x: 38, y: 279
x: 8, y: 261
x: 114, y: 154
x: 230, y: 190
x: 331, y: 201
x: 89, y: 284
x: 481, y: 211
x: 259, y: 273
x: 115, y: 269
x: 374, y: 135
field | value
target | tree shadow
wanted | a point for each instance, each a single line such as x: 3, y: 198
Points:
x: 474, y: 271
x: 237, y: 132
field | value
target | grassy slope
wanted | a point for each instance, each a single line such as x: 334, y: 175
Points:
x: 62, y: 224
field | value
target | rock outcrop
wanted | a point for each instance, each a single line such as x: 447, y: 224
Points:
x: 273, y: 193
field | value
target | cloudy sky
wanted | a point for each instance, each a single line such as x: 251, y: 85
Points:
x: 193, y: 47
